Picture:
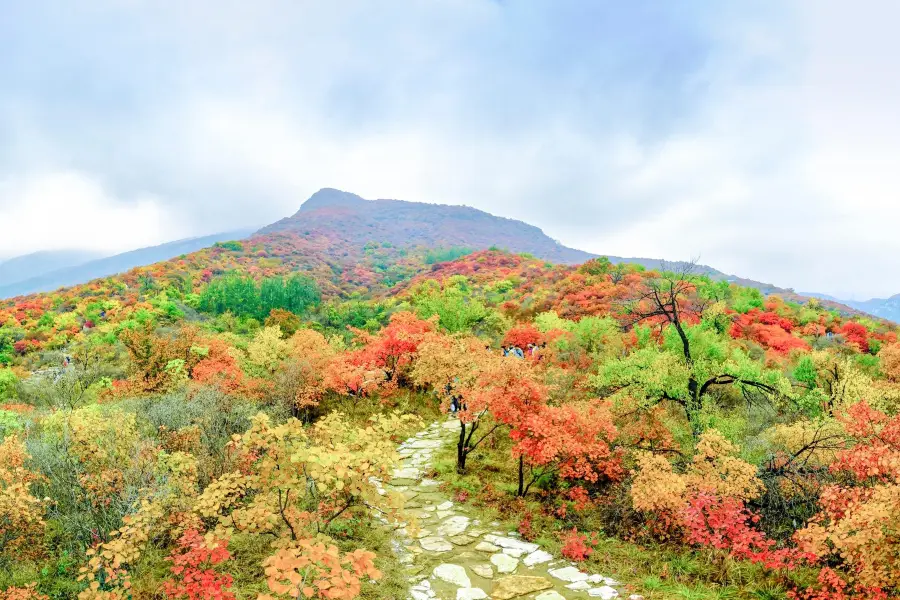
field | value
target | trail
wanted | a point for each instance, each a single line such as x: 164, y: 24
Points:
x: 454, y: 556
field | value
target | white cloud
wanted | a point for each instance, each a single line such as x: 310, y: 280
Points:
x: 67, y: 209
x: 758, y: 136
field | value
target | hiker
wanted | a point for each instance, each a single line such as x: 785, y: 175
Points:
x: 518, y: 352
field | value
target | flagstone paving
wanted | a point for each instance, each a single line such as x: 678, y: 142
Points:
x: 454, y: 556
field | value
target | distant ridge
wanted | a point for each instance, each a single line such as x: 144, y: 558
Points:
x: 341, y: 224
x: 112, y: 265
x: 885, y: 308
x: 403, y: 223
x: 27, y: 266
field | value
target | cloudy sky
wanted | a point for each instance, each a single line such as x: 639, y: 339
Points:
x: 761, y: 136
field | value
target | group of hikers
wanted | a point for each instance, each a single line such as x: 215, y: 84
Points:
x: 531, y: 350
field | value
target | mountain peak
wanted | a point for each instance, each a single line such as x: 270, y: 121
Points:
x: 331, y: 198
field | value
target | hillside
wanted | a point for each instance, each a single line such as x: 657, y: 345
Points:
x: 355, y: 221
x: 334, y: 228
x: 83, y: 271
x: 225, y: 421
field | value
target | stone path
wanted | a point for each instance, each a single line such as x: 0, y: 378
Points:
x: 454, y: 556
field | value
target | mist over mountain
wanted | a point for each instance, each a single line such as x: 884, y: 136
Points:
x: 355, y: 220
x: 351, y: 223
x: 32, y: 265
x: 885, y: 308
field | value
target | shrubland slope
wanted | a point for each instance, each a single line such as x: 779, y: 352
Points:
x: 213, y: 425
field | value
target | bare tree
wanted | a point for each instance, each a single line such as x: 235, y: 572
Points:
x: 672, y: 297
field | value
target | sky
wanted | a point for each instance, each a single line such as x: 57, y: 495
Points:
x: 760, y: 136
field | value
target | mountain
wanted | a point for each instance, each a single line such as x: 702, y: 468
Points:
x: 334, y: 229
x: 36, y: 264
x: 94, y: 269
x: 885, y: 308
x: 357, y: 221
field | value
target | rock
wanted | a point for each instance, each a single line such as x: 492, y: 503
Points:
x: 419, y: 444
x: 407, y: 473
x: 487, y: 547
x: 451, y: 424
x: 453, y: 525
x: 610, y: 581
x: 595, y: 578
x: 570, y: 574
x: 579, y: 586
x: 605, y: 593
x: 519, y: 585
x: 483, y: 570
x: 470, y: 594
x: 551, y: 595
x: 536, y: 558
x: 635, y: 597
x: 419, y: 595
x: 436, y: 544
x: 504, y: 563
x: 453, y: 574
x: 445, y: 505
x: 514, y: 552
x: 426, y: 483
x: 505, y: 542
x: 462, y: 540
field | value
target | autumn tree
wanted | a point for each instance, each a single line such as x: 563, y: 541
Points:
x: 300, y: 382
x: 573, y: 442
x: 859, y: 521
x: 889, y: 357
x: 454, y: 303
x: 503, y: 392
x: 293, y: 483
x: 21, y: 514
x: 677, y: 303
x: 296, y: 479
x: 157, y: 359
x: 393, y: 349
x: 218, y: 366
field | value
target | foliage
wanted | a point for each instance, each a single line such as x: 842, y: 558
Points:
x: 244, y: 297
x: 21, y: 514
x: 8, y: 381
x: 194, y: 577
x: 749, y: 432
x: 315, y: 570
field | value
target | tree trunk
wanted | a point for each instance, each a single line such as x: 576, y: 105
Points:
x: 461, y: 449
x: 692, y: 406
x: 521, y: 476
